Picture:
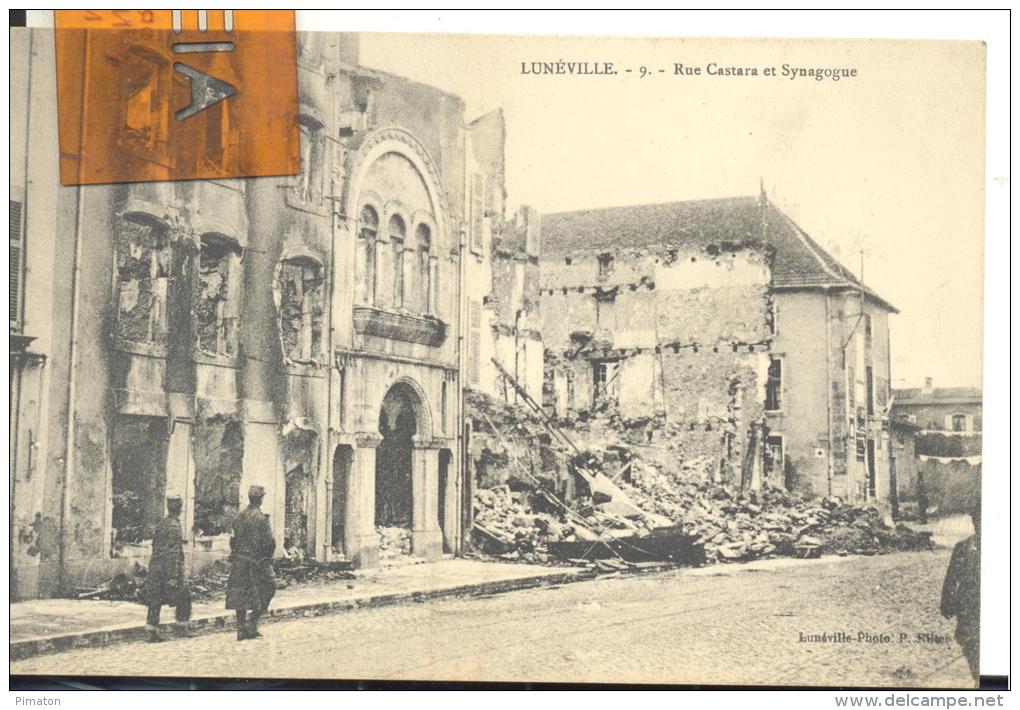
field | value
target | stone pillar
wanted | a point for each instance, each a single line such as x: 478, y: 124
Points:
x: 361, y: 542
x: 426, y: 537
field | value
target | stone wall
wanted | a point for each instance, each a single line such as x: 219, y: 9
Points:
x: 674, y: 341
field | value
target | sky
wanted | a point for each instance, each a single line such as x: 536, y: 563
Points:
x: 889, y: 161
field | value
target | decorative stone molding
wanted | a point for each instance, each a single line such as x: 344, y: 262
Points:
x: 399, y: 326
x: 367, y: 440
x: 393, y: 139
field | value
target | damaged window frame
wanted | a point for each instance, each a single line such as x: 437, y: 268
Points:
x: 605, y: 388
x: 309, y: 185
x: 774, y: 385
x: 307, y: 349
x: 775, y: 464
x: 146, y: 76
x: 606, y: 262
x: 368, y: 234
x: 423, y: 239
x: 225, y: 319
x: 138, y: 446
x: 396, y: 226
x: 224, y: 508
x: 129, y: 250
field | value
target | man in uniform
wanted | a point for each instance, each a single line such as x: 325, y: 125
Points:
x: 252, y: 582
x: 961, y: 592
x: 167, y: 582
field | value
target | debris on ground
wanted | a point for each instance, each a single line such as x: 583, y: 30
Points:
x: 393, y: 542
x: 211, y: 583
x: 620, y: 496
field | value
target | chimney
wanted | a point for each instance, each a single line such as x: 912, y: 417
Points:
x: 929, y: 384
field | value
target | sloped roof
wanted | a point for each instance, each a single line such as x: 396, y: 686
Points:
x: 798, y: 262
x: 937, y: 395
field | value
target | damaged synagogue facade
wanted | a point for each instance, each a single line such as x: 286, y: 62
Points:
x: 306, y: 333
x: 726, y: 337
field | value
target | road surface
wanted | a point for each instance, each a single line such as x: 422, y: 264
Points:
x: 856, y: 621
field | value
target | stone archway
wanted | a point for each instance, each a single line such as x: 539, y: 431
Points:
x: 406, y: 476
x: 394, y: 464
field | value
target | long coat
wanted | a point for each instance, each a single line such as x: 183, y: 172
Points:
x: 252, y: 582
x: 166, y: 582
x: 961, y: 597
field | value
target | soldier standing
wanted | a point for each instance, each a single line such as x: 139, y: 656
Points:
x: 252, y: 582
x: 961, y: 593
x: 167, y: 582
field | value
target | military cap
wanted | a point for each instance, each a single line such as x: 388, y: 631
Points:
x: 256, y: 492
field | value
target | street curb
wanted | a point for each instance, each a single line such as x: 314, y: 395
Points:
x: 28, y: 648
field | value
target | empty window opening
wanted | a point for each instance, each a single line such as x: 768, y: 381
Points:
x: 605, y: 378
x: 367, y: 233
x: 218, y: 449
x: 775, y: 464
x: 605, y: 265
x: 217, y: 295
x: 143, y: 265
x: 138, y: 459
x: 301, y: 309
x: 398, y: 230
x: 774, y: 386
x: 424, y: 239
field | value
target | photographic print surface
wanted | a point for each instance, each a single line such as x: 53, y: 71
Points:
x: 560, y: 359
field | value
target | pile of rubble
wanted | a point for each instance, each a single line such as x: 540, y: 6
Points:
x: 520, y: 525
x: 731, y: 525
x: 735, y: 525
x: 394, y: 542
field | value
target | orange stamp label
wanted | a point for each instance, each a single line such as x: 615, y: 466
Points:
x: 147, y: 95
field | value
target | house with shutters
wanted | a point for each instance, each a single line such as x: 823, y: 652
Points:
x: 728, y: 326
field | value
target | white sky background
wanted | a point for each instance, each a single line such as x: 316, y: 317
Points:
x: 891, y: 160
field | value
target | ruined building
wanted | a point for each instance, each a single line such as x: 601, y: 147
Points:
x: 307, y: 333
x: 719, y: 328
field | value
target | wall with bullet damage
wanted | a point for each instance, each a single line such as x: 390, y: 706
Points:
x: 514, y: 303
x: 676, y: 340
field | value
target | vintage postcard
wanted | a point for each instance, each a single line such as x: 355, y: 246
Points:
x: 505, y: 358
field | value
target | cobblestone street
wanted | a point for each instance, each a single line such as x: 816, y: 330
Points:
x: 735, y: 624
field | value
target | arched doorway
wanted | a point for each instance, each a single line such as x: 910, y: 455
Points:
x: 394, y: 508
